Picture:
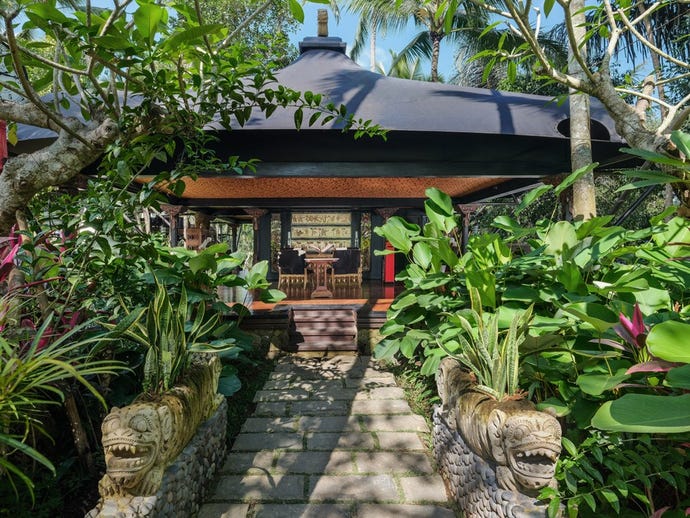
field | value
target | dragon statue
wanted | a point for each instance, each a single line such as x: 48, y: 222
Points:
x: 508, y: 441
x: 142, y: 439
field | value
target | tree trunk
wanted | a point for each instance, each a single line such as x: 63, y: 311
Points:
x: 81, y: 442
x: 583, y: 201
x: 29, y: 173
x: 372, y: 47
x: 436, y: 50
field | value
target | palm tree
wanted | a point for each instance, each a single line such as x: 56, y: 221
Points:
x: 403, y: 68
x: 375, y: 18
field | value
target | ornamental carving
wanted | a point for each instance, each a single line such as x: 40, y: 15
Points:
x: 514, y: 446
x: 141, y: 440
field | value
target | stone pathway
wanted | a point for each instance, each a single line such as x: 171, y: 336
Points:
x: 329, y: 438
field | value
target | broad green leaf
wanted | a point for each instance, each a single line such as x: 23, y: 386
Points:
x: 612, y: 498
x: 647, y: 178
x: 438, y: 218
x: 597, y: 315
x: 643, y: 413
x: 670, y: 341
x: 386, y: 349
x: 531, y: 197
x: 422, y: 254
x: 202, y: 262
x: 556, y: 405
x: 399, y: 233
x: 597, y: 384
x: 229, y: 385
x: 654, y: 157
x: 442, y: 202
x: 272, y: 296
x: 560, y: 239
x: 146, y: 19
x: 296, y: 10
x: 679, y: 377
x: 190, y: 34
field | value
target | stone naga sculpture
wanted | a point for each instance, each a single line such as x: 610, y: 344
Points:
x: 523, y: 443
x: 141, y: 440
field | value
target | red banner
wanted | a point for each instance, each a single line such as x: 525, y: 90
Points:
x: 3, y: 144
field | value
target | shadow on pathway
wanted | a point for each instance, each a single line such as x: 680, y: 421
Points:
x: 329, y: 438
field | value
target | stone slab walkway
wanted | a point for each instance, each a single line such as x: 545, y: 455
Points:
x: 329, y: 438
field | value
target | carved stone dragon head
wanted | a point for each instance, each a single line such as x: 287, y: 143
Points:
x: 135, y: 440
x: 526, y: 447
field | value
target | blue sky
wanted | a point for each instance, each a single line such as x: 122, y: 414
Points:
x: 346, y: 27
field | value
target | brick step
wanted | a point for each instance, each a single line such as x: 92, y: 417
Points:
x: 323, y: 346
x: 326, y: 327
x: 323, y: 329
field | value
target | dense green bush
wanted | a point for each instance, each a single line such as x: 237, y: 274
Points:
x: 583, y: 281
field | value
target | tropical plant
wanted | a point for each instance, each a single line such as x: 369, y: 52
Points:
x: 32, y: 377
x: 667, y: 409
x: 616, y: 23
x: 170, y: 333
x: 578, y: 278
x: 134, y: 78
x: 478, y: 346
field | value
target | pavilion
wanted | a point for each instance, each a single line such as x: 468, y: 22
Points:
x: 318, y: 184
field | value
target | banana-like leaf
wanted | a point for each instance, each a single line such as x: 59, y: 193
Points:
x: 644, y: 413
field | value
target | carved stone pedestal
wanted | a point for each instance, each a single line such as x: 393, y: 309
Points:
x: 184, y: 482
x: 471, y: 480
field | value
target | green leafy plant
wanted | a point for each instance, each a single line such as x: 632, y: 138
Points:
x: 31, y: 374
x: 493, y: 357
x: 615, y: 475
x: 668, y: 409
x: 170, y: 333
x: 574, y: 279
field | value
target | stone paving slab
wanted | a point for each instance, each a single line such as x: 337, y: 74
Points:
x: 249, y: 462
x: 403, y: 511
x: 329, y: 438
x: 303, y: 511
x: 381, y: 406
x: 268, y: 441
x: 423, y: 489
x: 366, y: 488
x: 224, y: 510
x: 259, y: 487
x: 341, y: 441
x: 394, y: 423
x: 270, y: 424
x: 339, y: 423
x: 405, y: 441
x: 393, y: 462
x: 315, y: 462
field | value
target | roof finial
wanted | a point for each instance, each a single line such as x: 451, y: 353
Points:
x: 322, y: 18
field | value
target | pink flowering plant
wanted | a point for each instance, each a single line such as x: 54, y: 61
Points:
x: 634, y: 345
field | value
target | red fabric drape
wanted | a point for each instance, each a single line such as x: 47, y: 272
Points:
x: 3, y: 143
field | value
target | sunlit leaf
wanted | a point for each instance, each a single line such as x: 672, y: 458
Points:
x: 644, y: 413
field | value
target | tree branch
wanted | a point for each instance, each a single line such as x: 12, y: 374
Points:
x: 249, y: 19
x: 644, y: 41
x: 28, y: 89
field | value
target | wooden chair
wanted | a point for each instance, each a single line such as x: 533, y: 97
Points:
x: 348, y: 269
x: 292, y: 268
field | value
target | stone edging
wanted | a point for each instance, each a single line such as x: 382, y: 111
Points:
x: 471, y: 480
x: 185, y: 482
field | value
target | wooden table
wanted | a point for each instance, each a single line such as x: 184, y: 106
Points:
x: 320, y: 266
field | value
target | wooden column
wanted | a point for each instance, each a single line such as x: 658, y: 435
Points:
x: 466, y: 211
x: 173, y: 211
x: 256, y: 214
x: 388, y: 260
